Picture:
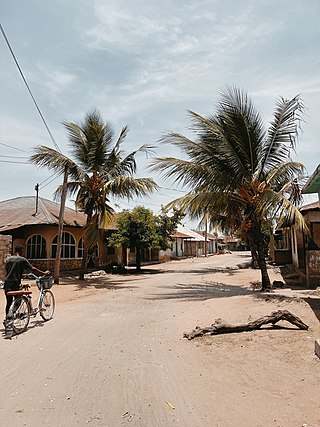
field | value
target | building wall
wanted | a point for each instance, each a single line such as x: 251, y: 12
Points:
x: 313, y: 268
x: 164, y: 256
x: 49, y: 232
x: 315, y: 232
x: 177, y: 247
x: 297, y: 241
x: 5, y: 250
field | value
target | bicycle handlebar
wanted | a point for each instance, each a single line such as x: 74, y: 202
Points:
x: 34, y: 276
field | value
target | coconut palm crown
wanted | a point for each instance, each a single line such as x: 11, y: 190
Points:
x: 97, y: 168
x: 239, y: 174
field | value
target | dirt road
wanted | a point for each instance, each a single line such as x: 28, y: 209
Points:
x: 114, y: 355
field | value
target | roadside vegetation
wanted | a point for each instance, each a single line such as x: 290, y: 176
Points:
x: 141, y: 229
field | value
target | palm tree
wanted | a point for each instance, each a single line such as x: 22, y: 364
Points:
x: 97, y: 170
x: 240, y: 175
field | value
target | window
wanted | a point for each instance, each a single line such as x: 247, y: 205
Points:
x: 94, y: 252
x: 68, y: 248
x: 36, y: 247
x: 80, y: 248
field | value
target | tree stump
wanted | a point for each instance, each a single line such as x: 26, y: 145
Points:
x: 221, y: 327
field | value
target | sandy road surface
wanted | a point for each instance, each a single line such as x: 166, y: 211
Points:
x: 114, y: 355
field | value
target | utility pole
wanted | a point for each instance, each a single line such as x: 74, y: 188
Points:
x: 60, y: 230
x: 206, y: 238
x: 37, y: 197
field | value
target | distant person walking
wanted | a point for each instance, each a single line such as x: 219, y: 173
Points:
x: 16, y: 265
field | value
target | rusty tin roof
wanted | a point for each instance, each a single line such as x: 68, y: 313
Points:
x: 15, y: 213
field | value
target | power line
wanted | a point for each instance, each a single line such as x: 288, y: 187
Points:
x: 29, y: 90
x: 14, y: 148
x: 11, y: 161
x: 14, y: 157
x: 49, y: 182
x: 55, y: 173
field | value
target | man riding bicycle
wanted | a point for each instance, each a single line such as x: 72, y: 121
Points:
x: 16, y: 265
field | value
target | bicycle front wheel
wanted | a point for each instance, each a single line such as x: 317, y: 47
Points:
x: 47, y: 305
x: 20, y: 313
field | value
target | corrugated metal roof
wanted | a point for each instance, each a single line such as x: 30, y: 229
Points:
x: 21, y: 211
x: 310, y: 206
x: 181, y: 235
x: 190, y: 233
x: 210, y: 236
x: 313, y: 183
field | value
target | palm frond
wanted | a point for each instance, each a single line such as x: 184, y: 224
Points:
x: 72, y: 188
x: 282, y: 133
x: 128, y: 187
x: 281, y: 209
x: 209, y: 204
x: 55, y: 161
x: 122, y: 137
x: 91, y: 233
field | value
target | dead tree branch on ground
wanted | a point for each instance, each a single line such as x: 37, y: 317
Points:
x: 221, y: 327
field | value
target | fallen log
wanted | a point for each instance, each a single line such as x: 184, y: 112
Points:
x: 221, y: 327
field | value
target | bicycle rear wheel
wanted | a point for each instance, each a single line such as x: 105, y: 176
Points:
x: 20, y: 314
x: 47, y: 305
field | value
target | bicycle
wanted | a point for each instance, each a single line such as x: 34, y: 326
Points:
x: 20, y: 311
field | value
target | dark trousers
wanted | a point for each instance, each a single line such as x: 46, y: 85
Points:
x: 9, y: 302
x: 12, y: 287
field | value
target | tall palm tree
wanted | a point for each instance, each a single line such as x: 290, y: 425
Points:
x: 240, y: 175
x: 97, y: 170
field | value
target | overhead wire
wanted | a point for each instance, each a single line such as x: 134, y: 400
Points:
x: 44, y: 186
x: 14, y: 157
x: 12, y: 161
x: 14, y: 148
x: 29, y: 90
x: 45, y: 180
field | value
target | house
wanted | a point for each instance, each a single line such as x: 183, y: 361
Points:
x: 187, y: 243
x: 292, y: 246
x: 177, y: 247
x: 311, y: 213
x: 33, y: 223
x: 212, y: 241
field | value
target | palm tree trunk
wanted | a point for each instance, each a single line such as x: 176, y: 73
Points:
x: 258, y: 249
x: 60, y: 229
x: 138, y: 259
x: 265, y: 279
x: 85, y: 253
x: 83, y: 264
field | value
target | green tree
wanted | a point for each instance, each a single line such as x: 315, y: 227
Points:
x: 141, y: 229
x: 239, y: 174
x: 98, y: 169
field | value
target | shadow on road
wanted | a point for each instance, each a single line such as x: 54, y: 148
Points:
x: 98, y: 283
x: 200, y: 292
x: 313, y: 302
x: 207, y: 270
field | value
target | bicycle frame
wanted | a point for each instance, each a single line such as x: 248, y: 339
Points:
x: 45, y: 305
x: 42, y: 291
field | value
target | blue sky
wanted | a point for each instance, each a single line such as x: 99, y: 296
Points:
x: 143, y: 63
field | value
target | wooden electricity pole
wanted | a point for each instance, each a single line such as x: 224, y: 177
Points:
x: 60, y: 230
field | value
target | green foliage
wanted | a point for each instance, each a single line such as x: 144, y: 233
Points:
x: 140, y: 228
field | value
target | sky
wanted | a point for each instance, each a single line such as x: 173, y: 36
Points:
x: 144, y: 63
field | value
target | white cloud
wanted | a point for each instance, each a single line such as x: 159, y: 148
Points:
x: 56, y: 80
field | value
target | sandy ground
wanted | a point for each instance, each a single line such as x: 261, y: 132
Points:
x: 114, y: 354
